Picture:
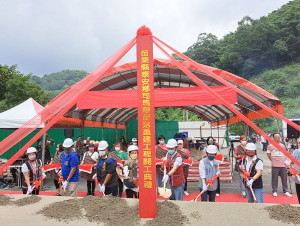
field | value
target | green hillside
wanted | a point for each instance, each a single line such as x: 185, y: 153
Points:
x: 57, y: 82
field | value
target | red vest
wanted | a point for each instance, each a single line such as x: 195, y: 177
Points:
x: 177, y: 177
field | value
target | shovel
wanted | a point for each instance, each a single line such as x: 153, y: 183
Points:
x: 165, y: 192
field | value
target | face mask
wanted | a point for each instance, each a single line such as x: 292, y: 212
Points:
x: 32, y: 157
x: 171, y: 152
x: 133, y: 156
x: 250, y: 153
x: 211, y: 157
x: 134, y: 144
x: 102, y: 153
x: 91, y: 149
x: 117, y: 148
x: 161, y: 141
x: 243, y: 142
x: 68, y: 151
x: 210, y: 142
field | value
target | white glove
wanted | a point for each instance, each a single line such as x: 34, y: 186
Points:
x: 126, y: 174
x: 95, y: 176
x: 165, y: 178
x: 205, y: 187
x: 250, y: 182
x: 65, y: 184
x: 43, y: 176
x: 287, y: 163
x: 29, y: 190
x: 102, y: 189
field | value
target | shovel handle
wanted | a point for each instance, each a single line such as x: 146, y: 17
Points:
x: 252, y: 192
x: 199, y: 195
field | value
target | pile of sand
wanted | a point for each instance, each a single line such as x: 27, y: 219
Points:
x: 168, y: 213
x: 31, y: 199
x: 63, y: 211
x: 5, y: 200
x: 28, y: 200
x: 112, y: 209
x: 285, y: 213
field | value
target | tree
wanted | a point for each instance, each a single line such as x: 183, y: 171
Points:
x: 16, y: 88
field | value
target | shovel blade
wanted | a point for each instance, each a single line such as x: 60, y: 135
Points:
x: 165, y: 192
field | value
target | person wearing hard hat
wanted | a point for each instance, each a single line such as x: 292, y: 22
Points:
x: 90, y: 157
x: 131, y: 172
x: 160, y: 152
x: 208, y: 168
x: 69, y: 168
x: 32, y: 171
x: 254, y: 166
x: 174, y: 171
x: 106, y: 171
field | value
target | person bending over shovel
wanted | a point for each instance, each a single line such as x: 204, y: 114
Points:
x: 208, y: 169
x: 69, y: 168
x: 253, y: 167
x: 175, y: 171
x: 106, y: 171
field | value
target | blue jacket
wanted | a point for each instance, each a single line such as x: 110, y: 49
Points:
x: 67, y: 163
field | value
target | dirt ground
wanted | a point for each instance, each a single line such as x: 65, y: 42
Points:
x: 285, y: 213
x: 54, y: 210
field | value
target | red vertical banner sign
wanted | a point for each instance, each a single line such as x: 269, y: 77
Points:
x: 146, y: 124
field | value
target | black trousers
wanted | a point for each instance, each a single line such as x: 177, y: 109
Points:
x: 56, y: 184
x: 130, y: 193
x: 91, y: 185
x: 298, y: 191
x: 264, y: 146
x: 120, y: 187
x: 34, y: 192
x: 111, y: 190
x: 218, y: 191
x: 185, y: 185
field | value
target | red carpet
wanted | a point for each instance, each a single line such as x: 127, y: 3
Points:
x: 268, y: 198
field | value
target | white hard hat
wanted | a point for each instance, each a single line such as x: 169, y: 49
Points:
x: 134, y: 139
x: 212, y: 149
x: 172, y: 143
x: 132, y: 148
x: 68, y: 143
x: 251, y: 147
x: 102, y: 145
x: 31, y: 150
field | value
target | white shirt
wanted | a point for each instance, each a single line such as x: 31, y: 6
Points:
x: 263, y: 139
x: 259, y: 165
x: 93, y: 155
x: 25, y: 168
x: 178, y: 160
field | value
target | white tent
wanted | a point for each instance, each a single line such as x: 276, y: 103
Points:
x: 20, y: 114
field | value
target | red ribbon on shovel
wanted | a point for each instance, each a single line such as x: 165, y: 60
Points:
x: 209, y: 184
x: 246, y: 175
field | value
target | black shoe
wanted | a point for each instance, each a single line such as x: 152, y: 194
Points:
x: 93, y: 194
x: 88, y: 194
x: 57, y: 194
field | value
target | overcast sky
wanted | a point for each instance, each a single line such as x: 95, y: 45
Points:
x: 48, y: 36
